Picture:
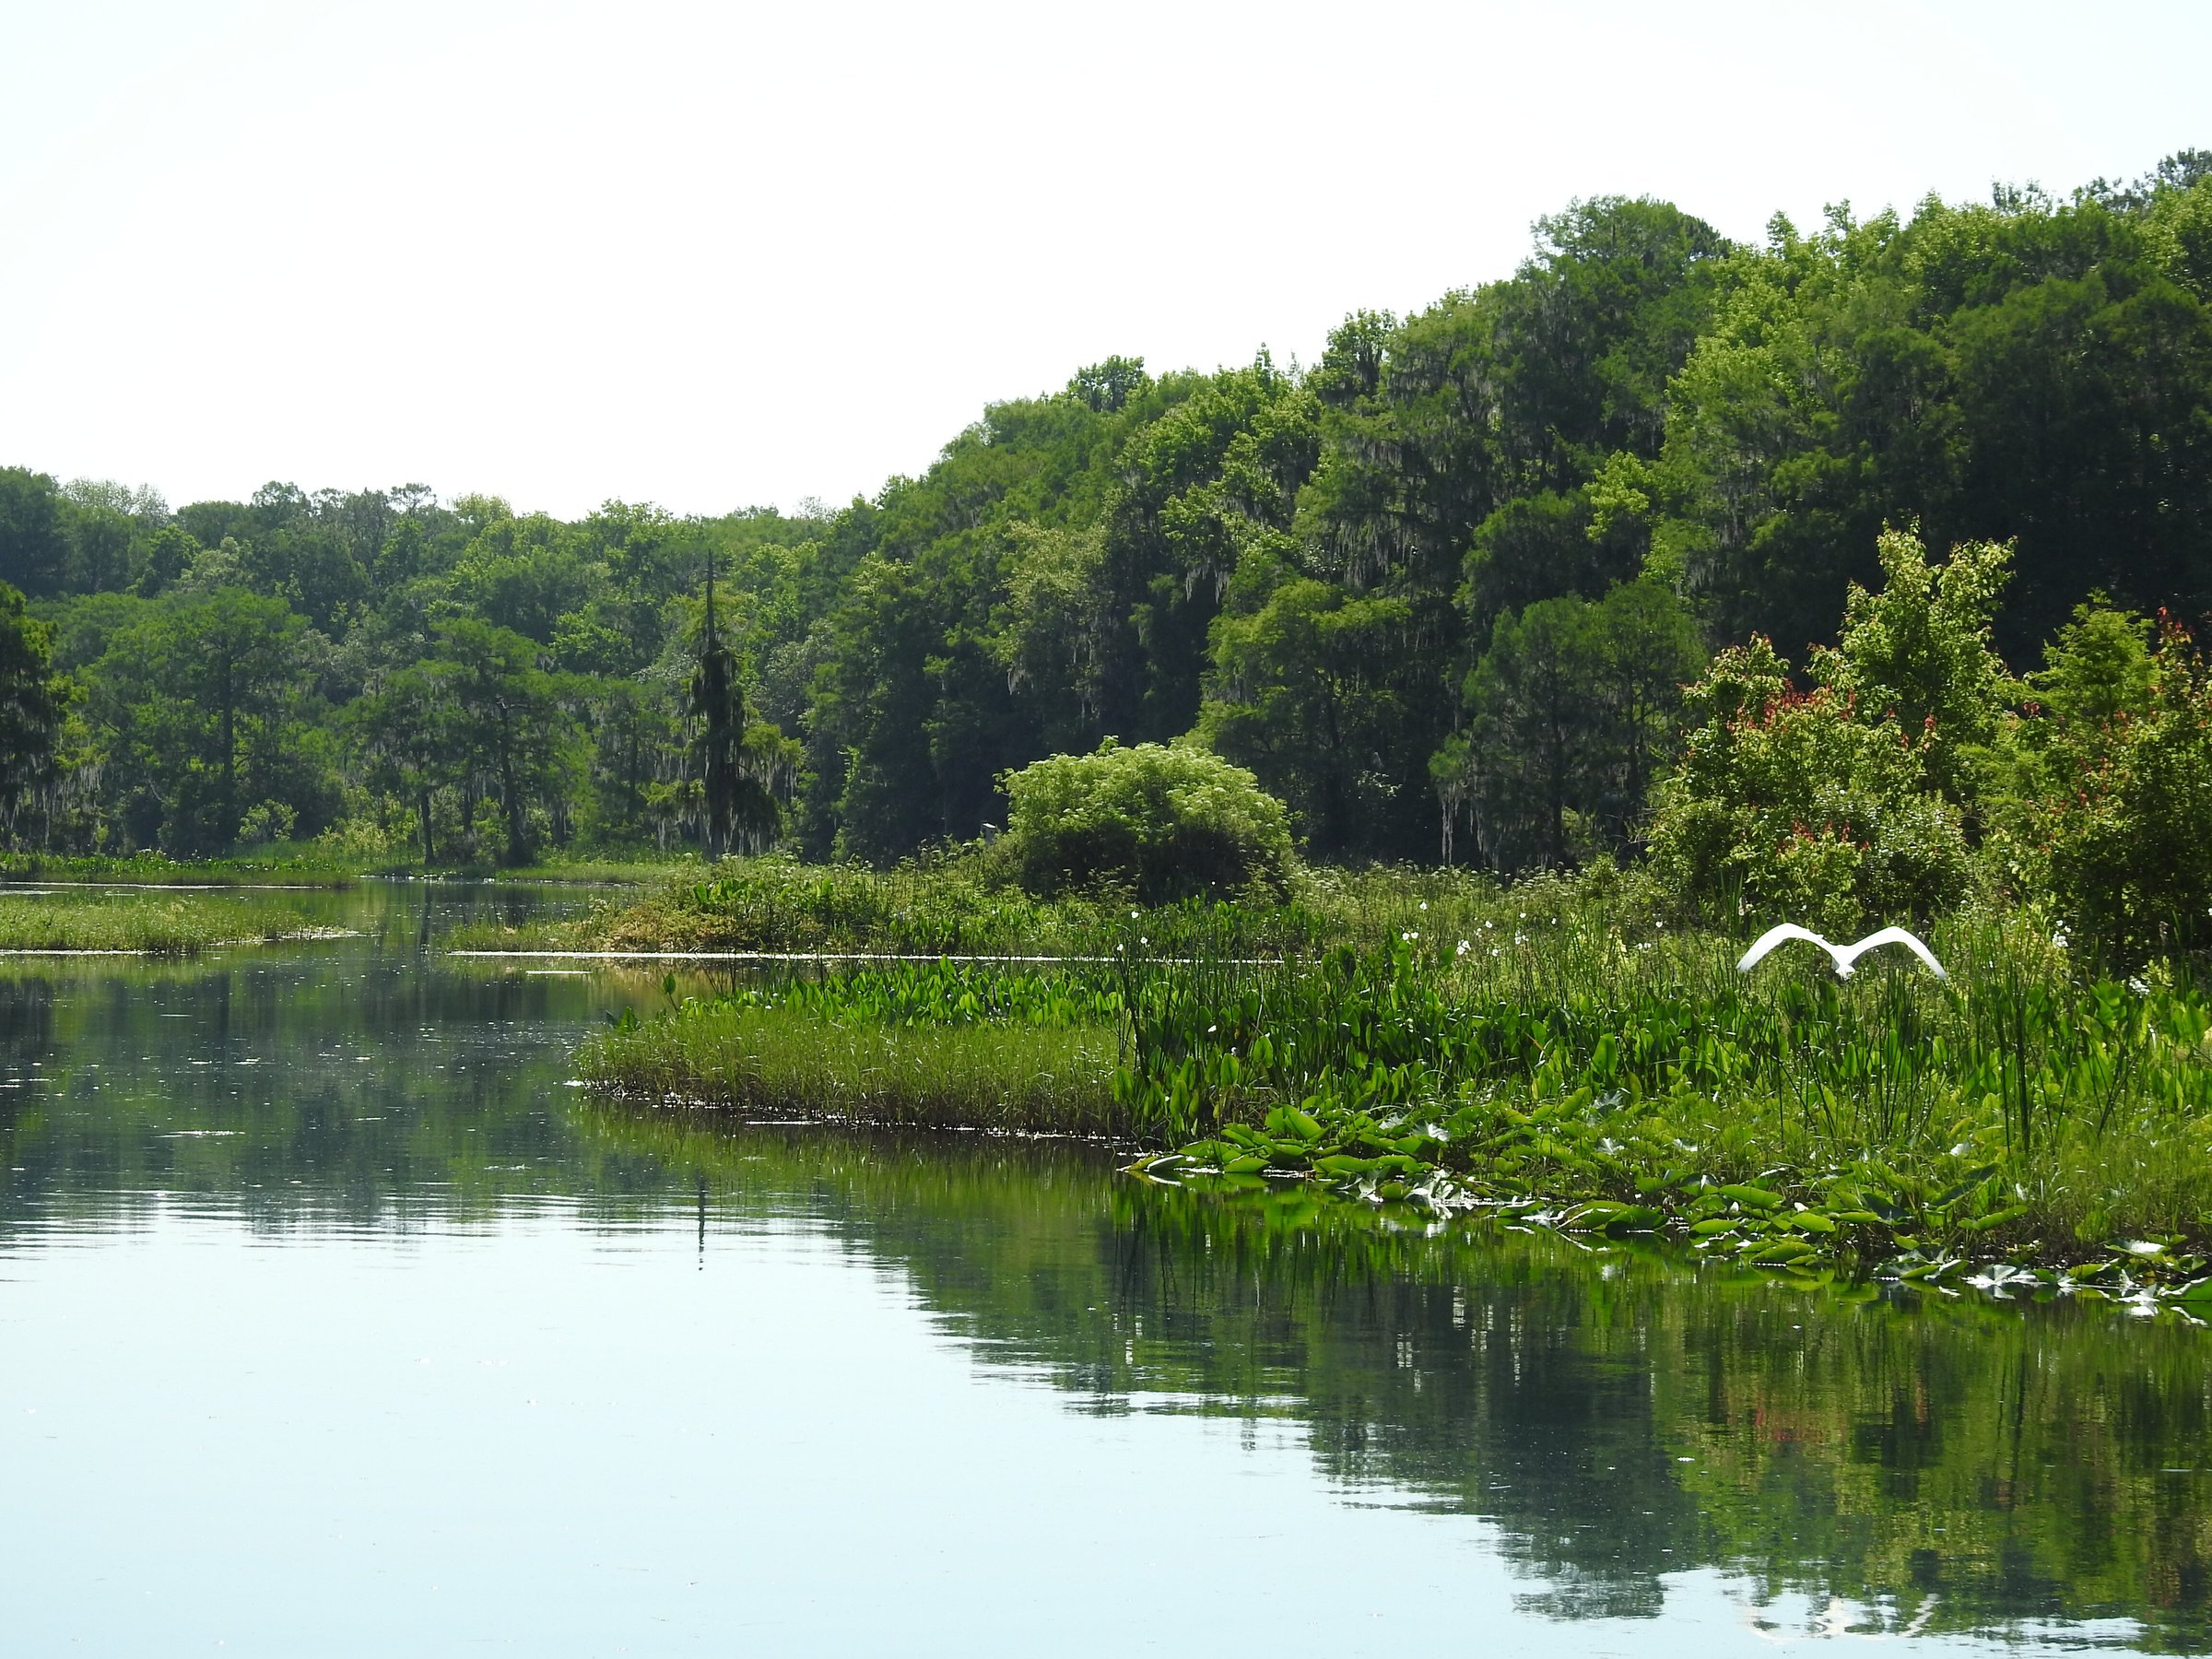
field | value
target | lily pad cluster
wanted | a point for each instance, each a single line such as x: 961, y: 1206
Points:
x: 1583, y: 1168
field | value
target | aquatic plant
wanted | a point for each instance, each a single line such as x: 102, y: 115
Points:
x: 930, y: 1042
x: 1568, y: 1052
x: 963, y: 902
x: 942, y: 993
x: 154, y: 922
x: 2014, y: 1112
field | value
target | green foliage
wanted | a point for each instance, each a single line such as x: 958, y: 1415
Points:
x: 735, y: 798
x: 1790, y: 805
x: 966, y: 903
x: 169, y: 558
x: 525, y: 575
x: 787, y: 1061
x: 32, y: 704
x: 211, y: 710
x: 774, y: 904
x: 150, y: 924
x: 1839, y: 807
x: 1161, y: 822
x: 2178, y: 234
x: 2097, y: 669
x: 502, y: 717
x: 940, y: 992
x: 33, y: 547
x: 2027, y: 368
x: 1295, y: 698
x: 2011, y: 1106
x: 400, y: 731
x: 1918, y: 650
x: 1572, y: 713
x: 2118, y: 834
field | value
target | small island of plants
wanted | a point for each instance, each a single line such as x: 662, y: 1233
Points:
x: 67, y: 919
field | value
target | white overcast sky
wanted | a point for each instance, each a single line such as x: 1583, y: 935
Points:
x: 712, y: 255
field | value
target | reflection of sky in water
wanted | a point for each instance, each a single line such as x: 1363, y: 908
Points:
x: 365, y: 1334
x: 544, y: 1434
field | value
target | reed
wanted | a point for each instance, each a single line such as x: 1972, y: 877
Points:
x: 2018, y: 1112
x: 961, y: 902
x: 152, y: 922
x: 805, y: 1062
x: 1557, y: 1047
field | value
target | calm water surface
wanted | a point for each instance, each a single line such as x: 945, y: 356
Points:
x: 333, y: 1321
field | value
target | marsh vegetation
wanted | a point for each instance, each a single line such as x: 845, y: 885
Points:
x: 1440, y: 1044
x: 139, y: 920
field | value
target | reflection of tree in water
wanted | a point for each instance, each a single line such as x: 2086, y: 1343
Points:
x: 242, y: 1077
x: 27, y: 1016
x: 1474, y: 1396
x: 26, y: 1023
x: 1617, y: 1416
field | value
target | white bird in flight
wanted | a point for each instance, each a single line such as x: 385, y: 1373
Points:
x: 1846, y: 956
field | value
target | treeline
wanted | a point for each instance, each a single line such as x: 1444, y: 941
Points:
x: 1440, y: 591
x: 396, y: 674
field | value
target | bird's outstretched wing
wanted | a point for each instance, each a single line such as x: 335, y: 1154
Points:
x: 1896, y: 935
x: 1777, y: 935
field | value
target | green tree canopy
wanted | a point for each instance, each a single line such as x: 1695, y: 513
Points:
x: 507, y: 729
x: 207, y: 705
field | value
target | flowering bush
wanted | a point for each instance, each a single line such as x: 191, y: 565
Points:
x: 1842, y: 805
x: 1789, y: 806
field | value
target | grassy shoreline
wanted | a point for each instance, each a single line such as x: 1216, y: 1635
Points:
x: 960, y: 903
x: 141, y: 923
x: 767, y: 1064
x: 306, y: 866
x: 1557, y: 1054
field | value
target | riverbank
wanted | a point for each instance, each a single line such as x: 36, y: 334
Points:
x: 963, y: 903
x: 304, y: 864
x: 1580, y: 1067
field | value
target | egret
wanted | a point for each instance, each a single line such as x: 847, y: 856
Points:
x: 1845, y: 955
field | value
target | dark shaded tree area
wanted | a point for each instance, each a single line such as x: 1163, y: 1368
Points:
x: 1439, y: 590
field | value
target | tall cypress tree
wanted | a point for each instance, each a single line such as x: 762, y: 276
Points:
x: 32, y: 702
x: 718, y: 701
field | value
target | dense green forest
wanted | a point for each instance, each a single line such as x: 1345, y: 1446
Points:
x: 1441, y: 589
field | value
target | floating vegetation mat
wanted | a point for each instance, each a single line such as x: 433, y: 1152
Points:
x: 1872, y: 1223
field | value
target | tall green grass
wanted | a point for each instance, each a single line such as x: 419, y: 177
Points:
x: 311, y: 864
x: 804, y: 1062
x: 962, y: 904
x: 2016, y: 1110
x: 151, y: 921
x: 1565, y: 1050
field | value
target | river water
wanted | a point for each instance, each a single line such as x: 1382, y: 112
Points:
x: 334, y: 1320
